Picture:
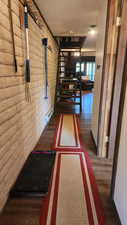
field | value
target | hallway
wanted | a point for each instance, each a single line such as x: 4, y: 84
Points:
x: 63, y: 73
x: 27, y: 211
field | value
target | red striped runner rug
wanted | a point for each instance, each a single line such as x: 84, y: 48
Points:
x: 73, y: 198
x: 67, y: 136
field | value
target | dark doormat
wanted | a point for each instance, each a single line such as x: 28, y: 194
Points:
x: 34, y: 178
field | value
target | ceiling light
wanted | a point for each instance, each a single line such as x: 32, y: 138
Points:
x: 92, y: 30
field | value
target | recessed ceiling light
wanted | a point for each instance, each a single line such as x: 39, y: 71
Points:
x: 92, y: 30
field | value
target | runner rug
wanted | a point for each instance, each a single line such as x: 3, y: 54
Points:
x: 73, y: 198
x: 67, y: 136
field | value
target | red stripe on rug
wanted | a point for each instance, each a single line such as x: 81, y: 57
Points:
x: 57, y: 138
x: 96, y: 194
x: 49, y: 209
x: 59, y: 129
x: 46, y: 200
x: 89, y: 208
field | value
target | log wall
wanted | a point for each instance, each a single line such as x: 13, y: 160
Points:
x: 21, y: 122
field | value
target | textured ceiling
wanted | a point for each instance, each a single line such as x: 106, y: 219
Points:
x: 70, y: 17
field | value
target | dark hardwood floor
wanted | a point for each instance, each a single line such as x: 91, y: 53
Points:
x: 27, y: 211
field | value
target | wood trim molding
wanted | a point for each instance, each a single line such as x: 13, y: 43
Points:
x: 102, y: 81
x: 41, y: 16
x: 110, y: 152
x: 118, y: 218
x: 95, y: 146
x: 44, y: 20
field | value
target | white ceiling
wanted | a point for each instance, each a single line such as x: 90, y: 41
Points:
x: 71, y: 17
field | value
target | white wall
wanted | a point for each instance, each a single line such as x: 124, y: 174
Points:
x: 99, y: 61
x: 120, y: 194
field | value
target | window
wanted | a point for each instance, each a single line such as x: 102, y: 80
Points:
x: 82, y: 67
x: 78, y: 67
x: 76, y: 53
x: 90, y: 70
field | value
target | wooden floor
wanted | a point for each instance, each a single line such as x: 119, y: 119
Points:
x: 27, y: 211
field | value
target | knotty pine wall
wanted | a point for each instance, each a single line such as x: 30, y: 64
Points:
x: 21, y: 123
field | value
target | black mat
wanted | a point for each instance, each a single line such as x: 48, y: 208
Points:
x: 35, y: 176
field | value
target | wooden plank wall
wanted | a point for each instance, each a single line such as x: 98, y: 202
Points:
x: 21, y: 123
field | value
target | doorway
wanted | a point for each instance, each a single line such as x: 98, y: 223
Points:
x: 106, y: 129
